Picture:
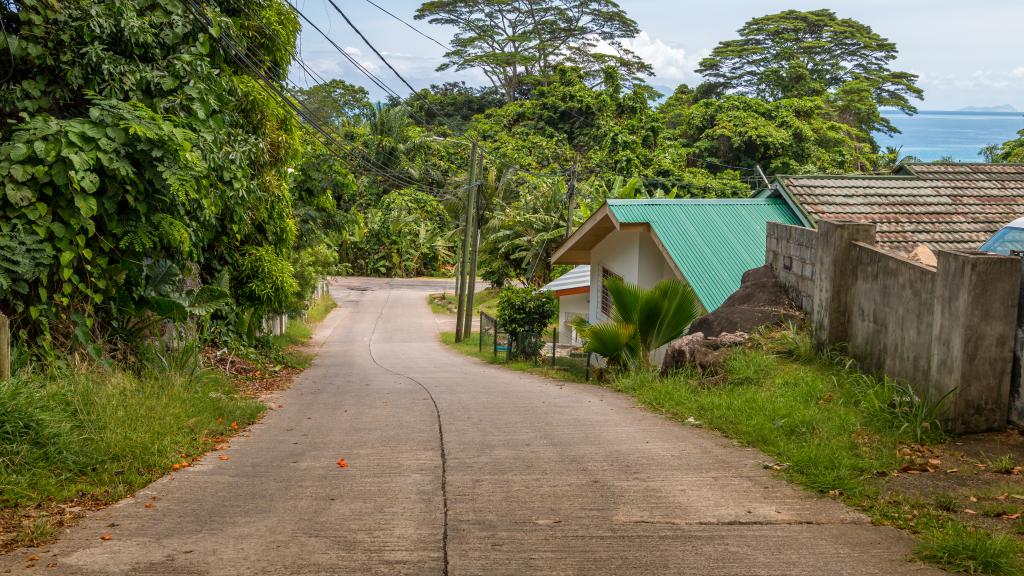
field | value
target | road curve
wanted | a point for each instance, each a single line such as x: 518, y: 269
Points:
x: 461, y: 468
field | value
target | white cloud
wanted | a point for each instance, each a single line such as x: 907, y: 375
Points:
x: 669, y: 62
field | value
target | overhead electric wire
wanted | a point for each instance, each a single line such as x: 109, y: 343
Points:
x: 410, y: 26
x: 390, y: 91
x: 372, y: 47
x: 243, y: 57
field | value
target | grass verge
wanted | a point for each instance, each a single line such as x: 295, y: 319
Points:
x: 74, y: 440
x: 833, y: 430
x: 484, y: 301
x: 568, y: 369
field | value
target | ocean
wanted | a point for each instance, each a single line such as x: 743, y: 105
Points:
x: 933, y: 134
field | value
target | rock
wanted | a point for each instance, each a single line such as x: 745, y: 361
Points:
x: 703, y: 353
x: 760, y: 300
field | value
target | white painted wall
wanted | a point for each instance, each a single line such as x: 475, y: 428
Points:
x: 618, y: 252
x: 570, y: 307
x: 634, y: 256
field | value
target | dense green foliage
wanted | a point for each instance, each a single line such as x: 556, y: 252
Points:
x: 524, y: 313
x: 131, y: 141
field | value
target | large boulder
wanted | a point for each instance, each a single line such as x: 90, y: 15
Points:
x: 760, y: 300
x: 705, y: 354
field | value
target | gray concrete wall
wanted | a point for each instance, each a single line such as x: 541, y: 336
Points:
x: 946, y: 331
x: 890, y: 314
x: 790, y: 253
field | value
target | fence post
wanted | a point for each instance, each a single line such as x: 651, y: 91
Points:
x: 495, y: 351
x: 554, y: 343
x: 480, y: 338
x: 5, y: 348
x: 587, y: 376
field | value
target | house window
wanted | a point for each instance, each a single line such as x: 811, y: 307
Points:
x: 606, y: 298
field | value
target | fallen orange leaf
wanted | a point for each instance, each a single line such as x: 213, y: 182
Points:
x: 149, y: 505
x: 33, y: 558
x: 223, y: 457
x: 1012, y: 516
x: 234, y: 425
x: 342, y: 463
x: 105, y: 537
x: 176, y: 467
x: 969, y: 511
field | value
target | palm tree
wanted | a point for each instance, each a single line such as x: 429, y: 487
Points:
x: 642, y: 321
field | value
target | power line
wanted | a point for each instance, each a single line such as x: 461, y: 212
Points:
x: 410, y: 26
x: 372, y: 47
x: 243, y: 58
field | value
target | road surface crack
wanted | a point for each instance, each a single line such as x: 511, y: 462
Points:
x: 440, y: 435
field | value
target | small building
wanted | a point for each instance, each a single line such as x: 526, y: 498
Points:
x: 708, y: 244
x: 573, y: 292
x: 950, y: 206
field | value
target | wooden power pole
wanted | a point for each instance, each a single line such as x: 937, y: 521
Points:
x: 466, y: 240
x: 467, y: 328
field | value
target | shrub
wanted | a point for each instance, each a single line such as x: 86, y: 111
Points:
x: 524, y: 313
x: 264, y: 280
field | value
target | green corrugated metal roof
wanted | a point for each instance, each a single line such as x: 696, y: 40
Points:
x: 713, y: 242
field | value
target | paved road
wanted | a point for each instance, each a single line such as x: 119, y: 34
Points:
x: 460, y: 468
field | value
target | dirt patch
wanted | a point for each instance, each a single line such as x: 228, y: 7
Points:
x: 976, y: 478
x: 760, y: 300
x: 254, y: 380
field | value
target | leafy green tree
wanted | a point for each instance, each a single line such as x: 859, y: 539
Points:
x: 450, y: 107
x: 788, y: 136
x: 641, y: 322
x: 513, y: 40
x: 335, y: 101
x: 797, y: 54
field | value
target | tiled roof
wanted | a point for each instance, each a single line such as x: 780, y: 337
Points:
x: 950, y: 206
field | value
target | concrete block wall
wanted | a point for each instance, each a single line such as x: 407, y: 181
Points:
x: 890, y: 314
x: 949, y: 330
x: 790, y: 253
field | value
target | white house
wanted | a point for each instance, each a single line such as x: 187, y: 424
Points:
x: 573, y: 292
x: 708, y: 244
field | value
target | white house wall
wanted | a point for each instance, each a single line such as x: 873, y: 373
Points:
x: 636, y: 257
x: 570, y: 307
x: 620, y: 253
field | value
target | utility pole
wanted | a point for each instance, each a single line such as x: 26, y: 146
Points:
x: 571, y: 194
x: 467, y: 328
x: 466, y: 239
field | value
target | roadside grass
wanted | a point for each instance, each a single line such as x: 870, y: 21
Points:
x: 484, y: 301
x: 83, y: 438
x: 829, y: 428
x: 566, y: 369
x: 320, y: 309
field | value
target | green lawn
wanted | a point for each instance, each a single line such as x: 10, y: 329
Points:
x: 827, y: 427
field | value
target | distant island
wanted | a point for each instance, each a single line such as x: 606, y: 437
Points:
x: 1002, y: 108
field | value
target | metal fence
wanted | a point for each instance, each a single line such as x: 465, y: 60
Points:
x: 500, y: 342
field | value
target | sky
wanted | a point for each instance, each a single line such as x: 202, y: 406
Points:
x: 967, y: 53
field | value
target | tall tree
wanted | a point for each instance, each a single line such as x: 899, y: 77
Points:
x: 795, y: 54
x: 510, y: 40
x: 335, y: 100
